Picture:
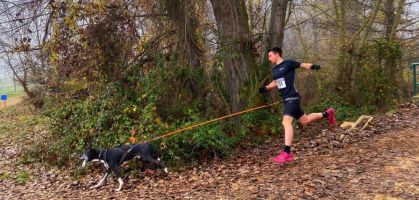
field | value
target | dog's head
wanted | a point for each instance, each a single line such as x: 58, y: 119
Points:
x: 89, y: 155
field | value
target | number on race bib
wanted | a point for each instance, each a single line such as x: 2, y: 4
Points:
x: 280, y: 82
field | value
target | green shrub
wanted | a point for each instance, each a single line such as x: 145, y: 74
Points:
x: 380, y: 74
x: 344, y: 110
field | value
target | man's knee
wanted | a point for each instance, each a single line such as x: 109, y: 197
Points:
x: 304, y: 120
x: 287, y: 121
x: 304, y: 123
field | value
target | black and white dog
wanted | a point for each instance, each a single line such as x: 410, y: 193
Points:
x: 113, y: 159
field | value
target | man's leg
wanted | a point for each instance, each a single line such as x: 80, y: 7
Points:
x: 329, y: 114
x: 286, y: 156
x: 307, y: 119
x: 289, y: 130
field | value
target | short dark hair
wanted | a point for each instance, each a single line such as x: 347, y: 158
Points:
x: 276, y: 50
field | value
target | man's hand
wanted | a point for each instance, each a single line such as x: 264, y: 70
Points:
x: 315, y: 67
x: 263, y: 89
x: 270, y: 86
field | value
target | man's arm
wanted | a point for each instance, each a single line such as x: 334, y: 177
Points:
x: 310, y: 66
x: 271, y: 86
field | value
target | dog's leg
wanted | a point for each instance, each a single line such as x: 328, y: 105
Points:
x: 162, y: 166
x: 102, y: 181
x: 142, y: 168
x: 158, y: 163
x: 121, y: 183
x: 116, y: 169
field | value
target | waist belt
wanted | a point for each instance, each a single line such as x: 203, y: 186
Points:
x: 291, y: 98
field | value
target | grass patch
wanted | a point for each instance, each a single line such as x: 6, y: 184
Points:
x: 14, y: 94
x: 25, y: 160
x: 10, y: 90
x: 22, y: 177
x: 5, y: 128
x: 4, y: 175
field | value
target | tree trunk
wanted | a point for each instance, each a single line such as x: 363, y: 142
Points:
x: 182, y: 14
x: 367, y: 29
x: 357, y: 50
x: 185, y: 20
x: 389, y: 17
x: 236, y: 45
x: 276, y: 31
x: 392, y: 20
x: 396, y: 21
x: 342, y: 84
x: 250, y: 14
x: 21, y: 77
x: 277, y: 24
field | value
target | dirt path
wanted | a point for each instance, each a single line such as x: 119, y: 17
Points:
x: 381, y: 162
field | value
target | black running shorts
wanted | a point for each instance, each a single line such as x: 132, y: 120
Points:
x: 292, y: 108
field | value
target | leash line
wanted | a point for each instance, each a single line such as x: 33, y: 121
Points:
x: 210, y: 121
x: 194, y: 126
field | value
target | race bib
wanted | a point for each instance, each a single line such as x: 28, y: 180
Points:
x: 280, y: 82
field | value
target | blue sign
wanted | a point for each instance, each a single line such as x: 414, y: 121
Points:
x: 4, y: 97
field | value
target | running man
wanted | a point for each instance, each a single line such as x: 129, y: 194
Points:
x: 284, y: 78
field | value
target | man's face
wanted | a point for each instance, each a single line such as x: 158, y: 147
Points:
x: 273, y: 57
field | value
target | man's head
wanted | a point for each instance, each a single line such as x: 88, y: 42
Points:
x: 274, y: 55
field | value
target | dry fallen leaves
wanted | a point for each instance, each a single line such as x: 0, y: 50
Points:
x: 378, y: 162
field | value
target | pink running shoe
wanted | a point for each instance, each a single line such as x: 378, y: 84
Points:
x: 331, y: 117
x: 282, y: 158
